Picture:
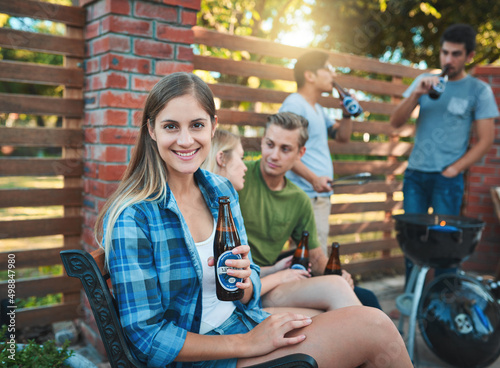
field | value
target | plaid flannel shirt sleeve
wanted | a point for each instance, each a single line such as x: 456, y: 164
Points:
x: 136, y: 287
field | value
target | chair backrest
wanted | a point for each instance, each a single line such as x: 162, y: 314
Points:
x: 89, y: 268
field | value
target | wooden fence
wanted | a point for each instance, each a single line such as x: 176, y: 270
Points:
x: 383, y: 155
x: 67, y: 167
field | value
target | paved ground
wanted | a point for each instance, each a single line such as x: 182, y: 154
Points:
x: 386, y: 289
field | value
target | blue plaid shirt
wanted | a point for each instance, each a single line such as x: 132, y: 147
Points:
x: 157, y: 274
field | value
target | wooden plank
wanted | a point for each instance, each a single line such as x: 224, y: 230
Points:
x: 360, y: 227
x: 71, y: 15
x: 41, y: 197
x: 372, y: 148
x: 41, y: 286
x: 374, y: 167
x: 20, y: 40
x: 36, y: 257
x: 379, y: 127
x: 40, y: 227
x: 341, y: 208
x: 36, y: 105
x: 41, y: 137
x: 369, y: 246
x: 276, y: 72
x: 265, y: 47
x: 249, y: 118
x: 372, y: 187
x: 375, y: 265
x: 42, y: 316
x: 231, y: 92
x: 40, y: 167
x: 17, y: 71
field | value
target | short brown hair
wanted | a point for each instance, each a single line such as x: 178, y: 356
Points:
x: 291, y: 121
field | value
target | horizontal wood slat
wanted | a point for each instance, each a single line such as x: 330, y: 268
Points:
x: 374, y: 167
x: 375, y: 265
x: 372, y: 187
x: 36, y: 257
x: 356, y: 207
x: 40, y: 197
x: 371, y: 148
x: 42, y: 286
x: 276, y: 72
x: 40, y: 167
x: 36, y: 105
x: 368, y: 246
x: 361, y: 227
x: 17, y: 71
x: 70, y: 15
x: 41, y: 227
x: 41, y: 137
x: 233, y: 117
x: 14, y: 39
x: 47, y: 315
x: 265, y: 47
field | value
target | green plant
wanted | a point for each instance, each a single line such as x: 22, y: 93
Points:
x: 32, y: 354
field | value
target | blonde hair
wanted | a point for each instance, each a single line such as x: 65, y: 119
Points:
x: 225, y: 142
x: 146, y: 175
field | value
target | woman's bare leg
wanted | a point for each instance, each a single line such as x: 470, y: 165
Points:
x: 322, y: 292
x: 348, y: 337
x: 305, y: 311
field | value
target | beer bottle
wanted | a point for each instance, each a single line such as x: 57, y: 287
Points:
x: 300, y: 259
x: 333, y: 266
x: 226, y: 238
x: 352, y: 106
x: 438, y: 89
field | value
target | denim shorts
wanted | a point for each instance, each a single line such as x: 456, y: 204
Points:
x: 238, y: 323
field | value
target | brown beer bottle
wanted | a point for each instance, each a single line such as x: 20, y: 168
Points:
x: 300, y: 259
x: 226, y: 238
x: 352, y: 106
x: 436, y: 91
x: 333, y: 266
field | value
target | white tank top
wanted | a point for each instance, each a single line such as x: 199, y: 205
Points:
x: 215, y: 311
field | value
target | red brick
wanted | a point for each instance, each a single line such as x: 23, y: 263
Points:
x: 184, y: 53
x: 122, y: 99
x: 154, y: 49
x: 485, y: 170
x: 486, y: 70
x: 101, y: 189
x: 110, y: 42
x: 91, y: 30
x: 90, y: 170
x: 188, y: 17
x: 125, y: 25
x: 118, y: 136
x: 155, y: 11
x: 109, y: 153
x: 168, y: 67
x: 88, y: 236
x: 492, y: 181
x: 115, y: 117
x: 109, y: 80
x: 92, y: 66
x: 191, y: 4
x: 105, y: 7
x: 91, y: 135
x: 125, y: 63
x: 137, y: 118
x: 111, y: 172
x: 143, y: 83
x: 175, y: 34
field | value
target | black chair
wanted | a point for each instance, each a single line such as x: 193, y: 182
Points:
x: 89, y: 268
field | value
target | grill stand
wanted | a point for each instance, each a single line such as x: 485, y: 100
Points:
x: 408, y: 302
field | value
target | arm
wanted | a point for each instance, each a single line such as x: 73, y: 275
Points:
x: 319, y: 183
x: 485, y: 131
x: 343, y: 130
x: 405, y: 108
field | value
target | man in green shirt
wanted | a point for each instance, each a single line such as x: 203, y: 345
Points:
x: 275, y: 209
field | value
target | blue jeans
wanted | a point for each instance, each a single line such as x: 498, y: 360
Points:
x: 422, y: 190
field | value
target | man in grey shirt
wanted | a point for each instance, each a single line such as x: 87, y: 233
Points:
x: 434, y: 177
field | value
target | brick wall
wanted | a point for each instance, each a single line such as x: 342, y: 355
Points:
x: 478, y: 202
x: 129, y: 45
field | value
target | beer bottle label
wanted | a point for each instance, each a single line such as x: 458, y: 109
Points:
x: 351, y: 105
x: 227, y: 282
x: 439, y: 88
x: 298, y: 266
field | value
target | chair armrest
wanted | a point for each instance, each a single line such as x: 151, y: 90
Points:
x: 297, y: 360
